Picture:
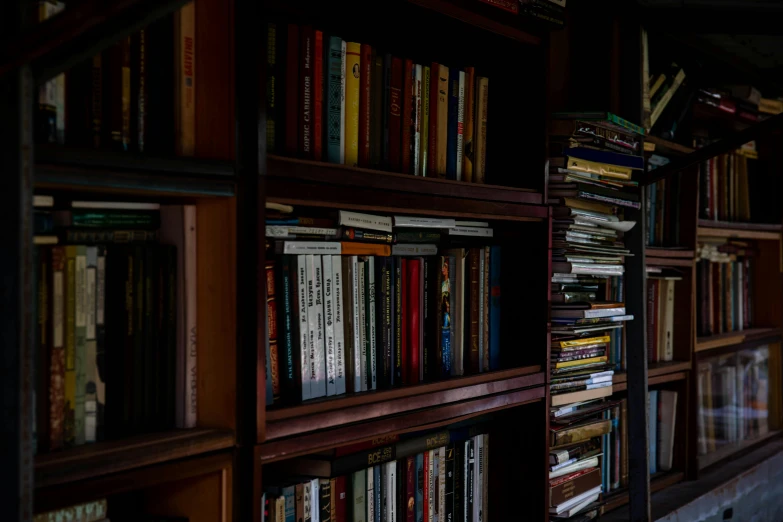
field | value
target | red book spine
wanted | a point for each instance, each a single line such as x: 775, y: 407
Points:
x: 340, y: 499
x: 433, y: 134
x: 407, y: 93
x: 365, y: 90
x: 318, y: 96
x: 292, y: 91
x: 426, y: 487
x: 395, y: 115
x: 410, y: 489
x: 404, y: 315
x: 306, y: 93
x: 414, y: 268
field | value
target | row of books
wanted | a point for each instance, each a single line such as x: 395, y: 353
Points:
x: 726, y: 183
x: 662, y: 423
x: 660, y: 316
x: 734, y: 397
x: 95, y: 511
x: 663, y: 207
x: 410, y: 482
x: 114, y: 318
x: 725, y: 280
x: 126, y: 98
x: 345, y: 102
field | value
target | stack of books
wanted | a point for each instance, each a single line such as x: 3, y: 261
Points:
x: 589, y: 186
x: 440, y: 476
x: 361, y: 302
x: 725, y: 276
x: 115, y: 305
x: 353, y: 104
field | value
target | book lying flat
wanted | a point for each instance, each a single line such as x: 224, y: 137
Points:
x: 583, y: 395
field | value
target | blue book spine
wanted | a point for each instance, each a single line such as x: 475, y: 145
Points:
x: 419, y: 487
x: 605, y: 156
x: 494, y: 308
x: 447, y: 328
x: 334, y: 100
x: 652, y: 433
x: 377, y: 481
x: 451, y: 143
x: 289, y: 494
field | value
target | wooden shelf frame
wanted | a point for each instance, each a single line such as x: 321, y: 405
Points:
x: 659, y: 481
x: 736, y: 339
x: 735, y: 450
x: 708, y: 228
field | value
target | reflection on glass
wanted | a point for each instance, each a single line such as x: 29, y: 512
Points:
x: 733, y: 399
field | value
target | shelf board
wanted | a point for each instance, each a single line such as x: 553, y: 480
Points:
x: 666, y: 147
x: 657, y: 373
x: 669, y: 261
x: 417, y: 413
x: 732, y: 449
x: 669, y: 252
x: 103, y: 458
x: 723, y: 340
x: 336, y: 411
x: 710, y: 228
x: 658, y: 481
x: 64, y: 168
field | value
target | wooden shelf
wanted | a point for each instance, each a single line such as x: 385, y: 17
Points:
x: 723, y: 340
x: 103, y: 458
x: 709, y: 228
x: 422, y: 412
x: 670, y: 252
x: 657, y: 373
x: 732, y: 449
x: 64, y: 168
x: 666, y: 147
x: 659, y: 481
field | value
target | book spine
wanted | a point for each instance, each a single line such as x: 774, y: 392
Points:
x: 384, y: 318
x: 352, y: 98
x: 348, y: 324
x: 386, y: 111
x: 318, y: 96
x: 391, y: 481
x: 185, y: 104
x: 359, y: 483
x: 475, y: 310
x: 376, y: 111
x: 365, y: 98
x: 453, y: 124
x: 423, y: 513
x: 447, y: 327
x: 338, y: 325
x: 432, y: 134
x: 362, y: 323
x: 372, y: 334
x: 407, y: 117
x: 125, y: 101
x: 272, y: 327
x: 272, y: 86
x: 325, y: 503
x: 292, y: 91
x: 191, y: 316
x: 69, y: 434
x: 343, y: 86
x: 413, y: 315
x: 42, y: 345
x: 478, y: 477
x: 469, y: 480
x: 417, y: 119
x: 333, y: 122
x: 370, y: 495
x: 431, y: 486
x: 306, y: 59
x: 494, y: 308
x: 460, y: 123
x: 90, y: 362
x: 396, y: 98
x: 441, y: 453
x: 410, y: 489
x: 485, y: 355
x: 139, y: 90
x: 96, y: 100
x: 304, y: 324
x: 405, y: 319
x: 459, y: 482
x: 286, y: 317
x: 442, y: 131
x: 399, y: 369
x: 358, y: 343
x: 480, y: 131
x: 424, y: 142
x: 329, y: 326
x: 429, y: 320
x: 450, y: 508
x: 468, y: 115
x: 319, y: 388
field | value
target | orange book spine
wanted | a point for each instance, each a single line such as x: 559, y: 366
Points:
x: 364, y: 249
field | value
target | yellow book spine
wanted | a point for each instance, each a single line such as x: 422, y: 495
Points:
x: 584, y: 342
x: 602, y: 169
x: 443, y: 120
x: 581, y: 204
x: 352, y: 83
x: 580, y: 362
x: 70, y: 346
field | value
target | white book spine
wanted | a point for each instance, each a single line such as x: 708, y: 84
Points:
x: 485, y: 482
x: 329, y: 341
x: 339, y: 325
x: 191, y: 316
x: 318, y: 384
x: 342, y: 105
x: 312, y: 247
x: 471, y: 231
x: 304, y: 324
x: 315, y: 496
x: 391, y: 491
x: 365, y: 221
x: 417, y: 94
x: 425, y: 222
x: 288, y: 231
x: 358, y: 369
x: 478, y: 476
x: 362, y: 322
x: 370, y: 309
x: 431, y: 489
x: 441, y: 452
x: 370, y: 497
x: 482, y: 345
x: 460, y: 123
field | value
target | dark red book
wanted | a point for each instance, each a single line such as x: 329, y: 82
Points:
x: 413, y: 318
x: 307, y: 66
x: 405, y: 322
x: 365, y: 95
x: 340, y: 496
x: 292, y: 91
x: 410, y: 489
x: 432, y: 162
x: 318, y: 97
x: 407, y: 111
x: 395, y: 115
x: 476, y: 324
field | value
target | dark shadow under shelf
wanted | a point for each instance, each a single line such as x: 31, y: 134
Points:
x: 657, y: 373
x: 103, y: 458
x: 727, y: 451
x: 658, y: 481
x: 729, y: 339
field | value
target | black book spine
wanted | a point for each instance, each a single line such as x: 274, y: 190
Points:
x: 398, y: 322
x: 137, y: 383
x: 383, y: 318
x: 387, y: 63
x: 157, y: 131
x: 290, y: 373
x: 362, y: 460
x: 168, y: 333
x: 119, y: 330
x: 468, y: 503
x: 272, y: 86
x: 458, y: 497
x: 152, y: 353
x: 138, y: 106
x: 402, y: 484
x: 450, y: 483
x: 390, y: 325
x: 325, y: 501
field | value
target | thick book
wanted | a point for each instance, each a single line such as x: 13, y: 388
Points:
x: 583, y: 395
x: 563, y: 490
x: 352, y: 101
x: 365, y: 99
x: 320, y: 62
x: 413, y: 318
x: 408, y: 111
x: 442, y: 131
x: 468, y: 119
x: 480, y: 130
x: 395, y: 109
x: 306, y: 97
x: 334, y: 86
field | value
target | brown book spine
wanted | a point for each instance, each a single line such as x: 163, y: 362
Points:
x: 580, y: 433
x: 480, y: 131
x: 476, y: 325
x: 318, y: 97
x: 432, y: 137
x: 376, y: 109
x: 443, y: 121
x: 395, y: 115
x: 410, y: 489
x: 125, y: 134
x: 365, y: 97
x: 292, y: 91
x: 563, y: 492
x: 407, y: 112
x: 271, y: 305
x: 306, y: 57
x: 140, y: 91
x: 467, y: 146
x: 299, y: 497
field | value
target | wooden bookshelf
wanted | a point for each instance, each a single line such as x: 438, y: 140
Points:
x: 666, y: 147
x: 657, y: 373
x: 713, y: 342
x: 658, y: 481
x: 735, y: 449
